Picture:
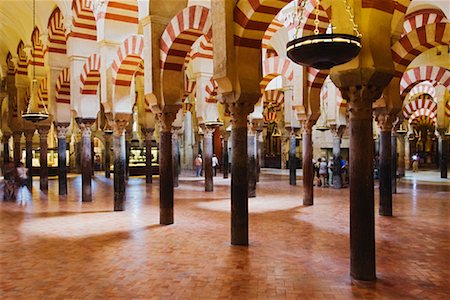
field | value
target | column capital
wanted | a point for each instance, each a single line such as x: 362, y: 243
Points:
x: 307, y: 126
x: 17, y: 136
x: 239, y: 112
x: 62, y: 129
x: 119, y: 126
x: 337, y: 131
x: 385, y: 121
x: 360, y: 99
x: 292, y: 132
x: 148, y: 133
x: 251, y: 129
x: 85, y: 126
x: 225, y: 135
x: 175, y: 133
x: 29, y: 133
x: 43, y: 131
x: 165, y: 120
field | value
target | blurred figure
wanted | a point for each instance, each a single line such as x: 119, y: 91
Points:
x: 10, y: 175
x: 198, y: 165
x: 323, y: 172
x: 415, y: 164
x: 215, y: 164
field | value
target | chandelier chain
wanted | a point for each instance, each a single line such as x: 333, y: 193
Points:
x: 348, y: 8
x: 299, y: 10
x: 316, y: 21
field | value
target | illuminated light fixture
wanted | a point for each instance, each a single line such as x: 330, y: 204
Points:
x: 34, y: 116
x: 402, y: 129
x: 324, y: 51
x: 276, y: 132
x: 322, y: 127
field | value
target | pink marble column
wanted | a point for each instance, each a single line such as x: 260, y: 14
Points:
x: 307, y: 165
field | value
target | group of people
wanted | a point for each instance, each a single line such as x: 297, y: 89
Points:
x: 15, y: 177
x: 199, y: 165
x: 324, y: 170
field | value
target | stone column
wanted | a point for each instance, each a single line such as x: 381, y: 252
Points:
x: 86, y: 158
x: 284, y: 138
x: 308, y: 168
x: 443, y: 153
x: 148, y: 134
x: 108, y: 154
x: 337, y: 132
x: 384, y: 122
x: 6, y: 138
x: 29, y: 133
x: 119, y: 164
x: 407, y: 153
x: 394, y: 159
x: 62, y: 129
x: 165, y: 168
x: 251, y: 153
x: 401, y: 154
x: 128, y: 136
x: 259, y: 151
x: 207, y: 157
x: 239, y: 173
x: 43, y: 170
x: 176, y: 155
x: 17, y: 136
x: 292, y: 158
x: 362, y: 219
x: 225, y: 157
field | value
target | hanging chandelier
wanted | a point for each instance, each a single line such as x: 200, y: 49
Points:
x: 32, y: 115
x: 324, y: 51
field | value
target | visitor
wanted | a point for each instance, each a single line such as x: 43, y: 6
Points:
x: 323, y: 172
x: 415, y: 164
x: 22, y: 175
x: 215, y: 164
x: 10, y: 176
x: 330, y: 170
x: 198, y: 165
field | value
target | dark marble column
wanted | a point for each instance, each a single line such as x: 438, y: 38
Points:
x: 394, y: 160
x: 176, y: 155
x: 443, y: 153
x: 207, y: 157
x: 292, y: 158
x: 401, y: 164
x: 128, y: 136
x: 308, y: 168
x: 384, y: 122
x: 17, y: 136
x: 6, y: 154
x: 259, y: 151
x: 165, y: 168
x: 43, y: 169
x: 86, y: 158
x: 108, y: 154
x: 225, y: 157
x: 239, y: 174
x: 148, y: 134
x: 119, y: 164
x: 62, y: 129
x: 251, y: 153
x: 362, y: 219
x: 78, y: 154
x: 337, y: 132
x: 29, y: 133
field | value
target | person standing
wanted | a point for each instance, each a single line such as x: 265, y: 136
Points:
x: 198, y: 165
x: 323, y: 172
x: 415, y: 164
x: 215, y: 164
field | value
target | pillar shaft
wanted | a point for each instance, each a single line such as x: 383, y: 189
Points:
x: 148, y: 133
x: 108, y: 155
x: 166, y: 169
x: 362, y: 223
x: 251, y: 152
x: 29, y: 156
x: 175, y: 156
x: 308, y: 168
x: 292, y: 160
x: 17, y: 136
x: 239, y: 174
x: 394, y: 161
x: 86, y: 158
x: 6, y: 148
x: 401, y: 155
x: 62, y: 167
x: 337, y: 132
x: 443, y: 151
x: 207, y: 158
x: 119, y: 166
x: 259, y: 152
x: 43, y: 170
x: 225, y: 157
x: 127, y: 154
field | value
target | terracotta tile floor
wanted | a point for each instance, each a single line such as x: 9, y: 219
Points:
x: 56, y: 248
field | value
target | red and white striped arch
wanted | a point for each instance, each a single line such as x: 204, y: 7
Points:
x: 90, y: 76
x: 276, y: 66
x: 183, y: 30
x: 127, y: 60
x: 422, y: 17
x: 22, y: 62
x: 423, y: 88
x: 37, y: 49
x: 56, y: 33
x: 125, y: 11
x: 316, y: 78
x: 63, y: 87
x: 204, y: 49
x: 253, y: 17
x: 273, y: 98
x: 83, y: 20
x: 9, y: 63
x: 431, y: 73
x: 417, y: 41
x: 419, y: 104
x: 273, y: 28
x: 211, y: 91
x: 43, y: 93
x: 447, y: 109
x: 423, y: 117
